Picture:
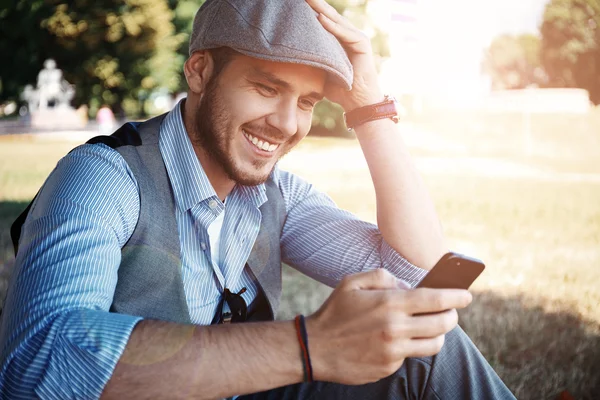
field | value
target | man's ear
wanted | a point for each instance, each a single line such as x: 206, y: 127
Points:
x: 198, y: 69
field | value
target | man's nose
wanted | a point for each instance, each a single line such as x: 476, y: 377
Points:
x: 285, y: 118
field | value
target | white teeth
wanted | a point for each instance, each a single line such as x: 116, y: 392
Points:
x: 261, y: 144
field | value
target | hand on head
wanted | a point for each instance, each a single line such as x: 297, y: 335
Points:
x: 369, y: 325
x: 365, y: 87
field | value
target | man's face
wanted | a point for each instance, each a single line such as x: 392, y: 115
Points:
x: 255, y: 112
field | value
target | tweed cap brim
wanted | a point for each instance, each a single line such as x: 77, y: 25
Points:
x: 274, y: 30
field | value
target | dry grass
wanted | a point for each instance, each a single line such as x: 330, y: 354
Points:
x: 536, y: 314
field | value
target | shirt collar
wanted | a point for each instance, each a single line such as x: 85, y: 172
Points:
x: 188, y: 179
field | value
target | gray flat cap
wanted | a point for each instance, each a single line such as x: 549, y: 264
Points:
x: 275, y: 30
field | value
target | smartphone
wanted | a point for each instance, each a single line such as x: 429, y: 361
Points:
x: 453, y: 271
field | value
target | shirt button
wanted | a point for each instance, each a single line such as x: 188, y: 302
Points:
x: 203, y: 245
x: 212, y: 204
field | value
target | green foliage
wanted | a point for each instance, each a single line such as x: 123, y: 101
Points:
x: 22, y: 44
x: 513, y: 62
x: 328, y: 120
x: 570, y: 49
x: 183, y: 19
x: 114, y: 51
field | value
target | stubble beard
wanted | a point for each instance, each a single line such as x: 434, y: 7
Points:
x: 211, y: 135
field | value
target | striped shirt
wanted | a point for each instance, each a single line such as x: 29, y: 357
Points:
x: 57, y: 338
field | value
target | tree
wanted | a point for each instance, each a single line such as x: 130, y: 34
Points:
x: 570, y: 49
x: 21, y: 44
x: 184, y: 12
x: 114, y: 51
x: 513, y: 62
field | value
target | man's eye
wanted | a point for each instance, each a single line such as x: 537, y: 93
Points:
x: 307, y: 104
x: 267, y: 89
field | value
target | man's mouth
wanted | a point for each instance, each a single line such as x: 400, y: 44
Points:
x: 261, y: 144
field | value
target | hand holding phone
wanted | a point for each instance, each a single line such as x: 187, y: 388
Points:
x: 453, y: 271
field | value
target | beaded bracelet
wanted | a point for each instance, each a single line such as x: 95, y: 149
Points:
x: 303, y: 340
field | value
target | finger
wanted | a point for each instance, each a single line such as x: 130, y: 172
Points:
x: 425, y: 300
x: 425, y: 347
x: 336, y: 24
x: 324, y: 8
x: 346, y: 35
x: 377, y: 279
x: 432, y: 325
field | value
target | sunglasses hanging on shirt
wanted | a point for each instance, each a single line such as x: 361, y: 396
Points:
x: 238, y: 310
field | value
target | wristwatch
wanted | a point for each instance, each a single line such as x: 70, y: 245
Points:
x: 386, y: 109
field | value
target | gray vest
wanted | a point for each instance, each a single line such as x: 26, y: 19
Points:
x: 149, y: 279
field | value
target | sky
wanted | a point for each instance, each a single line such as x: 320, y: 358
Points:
x: 450, y: 37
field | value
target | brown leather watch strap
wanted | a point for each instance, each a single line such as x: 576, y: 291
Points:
x: 386, y: 109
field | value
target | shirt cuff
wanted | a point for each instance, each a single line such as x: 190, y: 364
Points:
x: 84, y: 354
x: 399, y: 266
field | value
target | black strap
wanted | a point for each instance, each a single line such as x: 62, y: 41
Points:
x: 15, y: 228
x: 126, y: 135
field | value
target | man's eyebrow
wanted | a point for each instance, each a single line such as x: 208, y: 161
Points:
x: 271, y: 78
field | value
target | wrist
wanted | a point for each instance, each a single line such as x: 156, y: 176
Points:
x: 363, y: 100
x: 301, y: 333
x: 387, y: 108
x: 315, y: 347
x: 369, y: 129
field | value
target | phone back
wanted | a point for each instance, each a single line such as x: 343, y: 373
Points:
x: 453, y: 271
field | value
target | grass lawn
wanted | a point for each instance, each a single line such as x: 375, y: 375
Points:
x: 536, y: 314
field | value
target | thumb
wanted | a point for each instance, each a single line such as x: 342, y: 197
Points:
x: 377, y: 279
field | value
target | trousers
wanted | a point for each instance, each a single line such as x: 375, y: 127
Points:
x: 458, y: 371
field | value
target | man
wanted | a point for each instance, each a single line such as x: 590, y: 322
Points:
x: 183, y: 221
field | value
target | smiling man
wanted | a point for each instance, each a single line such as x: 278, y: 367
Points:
x: 149, y: 264
x: 249, y: 116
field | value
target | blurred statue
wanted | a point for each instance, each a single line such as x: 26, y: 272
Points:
x: 49, y: 103
x: 30, y: 96
x: 52, y: 90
